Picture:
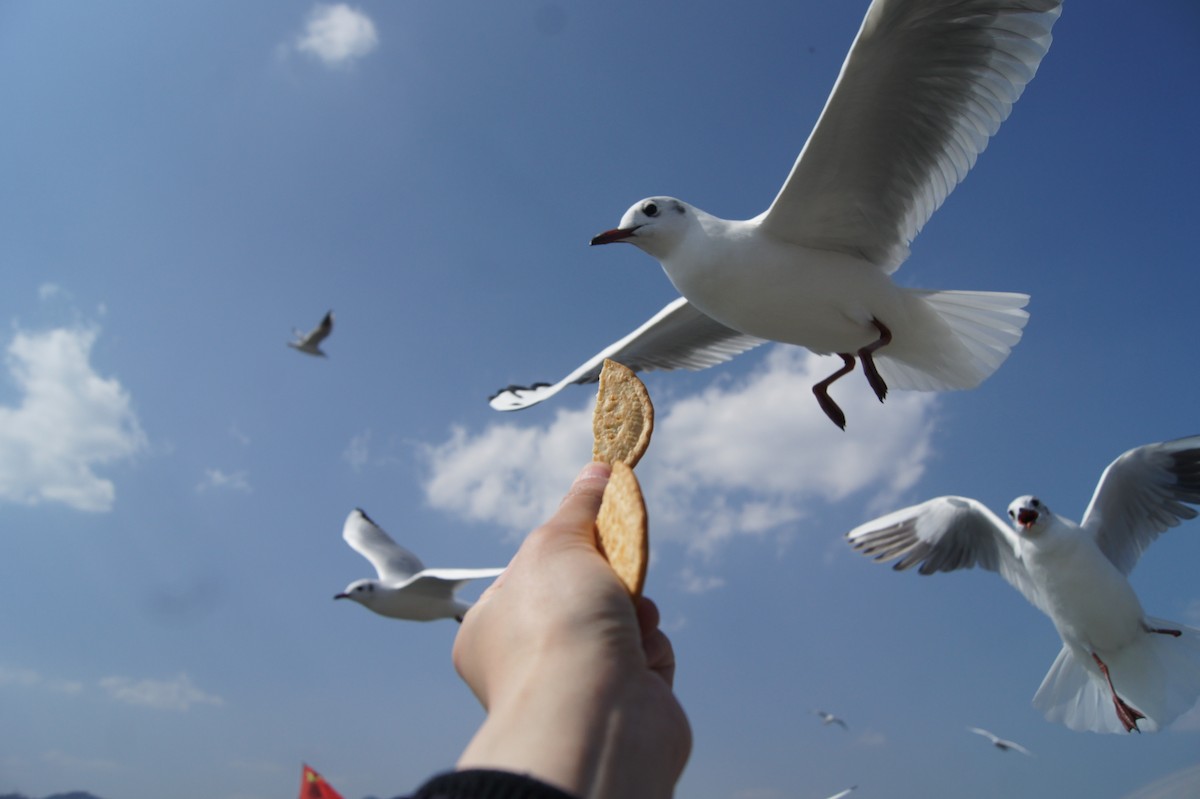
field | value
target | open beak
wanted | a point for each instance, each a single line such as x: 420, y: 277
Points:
x: 1026, y: 517
x: 616, y: 234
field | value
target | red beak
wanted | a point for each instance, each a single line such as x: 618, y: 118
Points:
x: 616, y: 234
x: 1026, y: 517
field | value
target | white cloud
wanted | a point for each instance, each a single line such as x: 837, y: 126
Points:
x: 216, y: 479
x: 63, y: 760
x: 177, y: 694
x: 358, y: 451
x: 69, y: 421
x: 28, y: 678
x: 48, y: 291
x: 742, y: 457
x: 695, y: 583
x: 338, y: 35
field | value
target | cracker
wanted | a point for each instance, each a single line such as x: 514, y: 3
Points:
x: 622, y: 530
x: 624, y: 416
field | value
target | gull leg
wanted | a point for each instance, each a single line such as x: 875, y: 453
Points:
x: 868, y: 362
x: 1164, y: 631
x: 822, y: 391
x: 1127, y: 715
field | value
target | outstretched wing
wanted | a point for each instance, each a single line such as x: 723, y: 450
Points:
x: 679, y: 336
x: 924, y: 87
x: 393, y: 563
x: 321, y: 331
x: 946, y: 534
x: 442, y: 583
x: 1141, y: 495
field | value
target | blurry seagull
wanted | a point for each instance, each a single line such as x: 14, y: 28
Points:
x: 844, y: 793
x: 405, y: 588
x: 310, y: 342
x: 1000, y: 743
x: 829, y: 718
x: 925, y: 85
x: 1114, y: 656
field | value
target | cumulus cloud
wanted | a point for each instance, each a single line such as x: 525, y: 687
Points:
x: 217, y: 479
x: 337, y: 35
x: 68, y: 421
x: 177, y: 694
x: 742, y: 457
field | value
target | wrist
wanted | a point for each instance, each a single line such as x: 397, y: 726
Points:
x: 595, y: 740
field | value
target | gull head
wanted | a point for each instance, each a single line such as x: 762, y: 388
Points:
x: 655, y: 225
x: 1029, y: 514
x: 364, y: 592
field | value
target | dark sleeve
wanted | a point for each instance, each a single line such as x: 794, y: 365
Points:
x: 487, y: 784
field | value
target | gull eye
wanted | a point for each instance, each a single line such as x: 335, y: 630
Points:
x: 1034, y: 502
x: 650, y: 209
x: 1011, y: 514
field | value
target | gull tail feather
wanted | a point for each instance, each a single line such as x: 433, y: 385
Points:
x: 963, y: 336
x: 1158, y: 674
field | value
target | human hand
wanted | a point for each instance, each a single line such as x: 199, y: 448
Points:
x: 576, y: 678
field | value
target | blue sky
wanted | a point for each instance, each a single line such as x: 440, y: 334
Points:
x: 182, y: 184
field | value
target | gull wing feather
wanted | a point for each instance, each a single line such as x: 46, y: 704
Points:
x: 393, y: 563
x: 320, y: 332
x: 680, y: 336
x: 1141, y: 495
x: 923, y: 88
x: 444, y: 582
x: 946, y: 534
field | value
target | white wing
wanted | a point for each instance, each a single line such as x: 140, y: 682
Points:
x: 320, y: 332
x: 393, y: 563
x: 841, y: 794
x: 678, y: 337
x: 1000, y: 742
x: 442, y: 583
x: 923, y: 88
x: 1141, y: 495
x: 945, y: 534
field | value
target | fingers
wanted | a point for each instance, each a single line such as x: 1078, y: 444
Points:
x: 660, y: 655
x: 574, y: 521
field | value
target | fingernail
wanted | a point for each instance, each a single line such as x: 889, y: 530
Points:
x: 594, y: 470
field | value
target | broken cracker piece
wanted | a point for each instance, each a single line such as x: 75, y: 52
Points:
x: 622, y: 529
x: 624, y: 416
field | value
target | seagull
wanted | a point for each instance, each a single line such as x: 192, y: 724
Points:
x: 1118, y: 668
x: 925, y: 85
x: 405, y: 588
x: 310, y: 342
x: 841, y: 794
x: 1000, y: 743
x: 829, y: 718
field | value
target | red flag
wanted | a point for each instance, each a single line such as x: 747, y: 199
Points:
x: 313, y: 786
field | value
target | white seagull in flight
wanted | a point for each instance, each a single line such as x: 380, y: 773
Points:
x: 829, y: 718
x: 1119, y: 669
x: 925, y: 85
x: 405, y: 588
x: 310, y: 342
x: 1002, y: 744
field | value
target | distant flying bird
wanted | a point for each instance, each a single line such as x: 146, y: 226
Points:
x: 310, y: 342
x: 1118, y: 667
x: 405, y: 588
x: 1000, y: 743
x: 925, y: 85
x: 829, y: 718
x: 846, y: 792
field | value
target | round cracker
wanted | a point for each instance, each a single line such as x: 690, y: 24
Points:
x: 624, y: 416
x: 622, y: 529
